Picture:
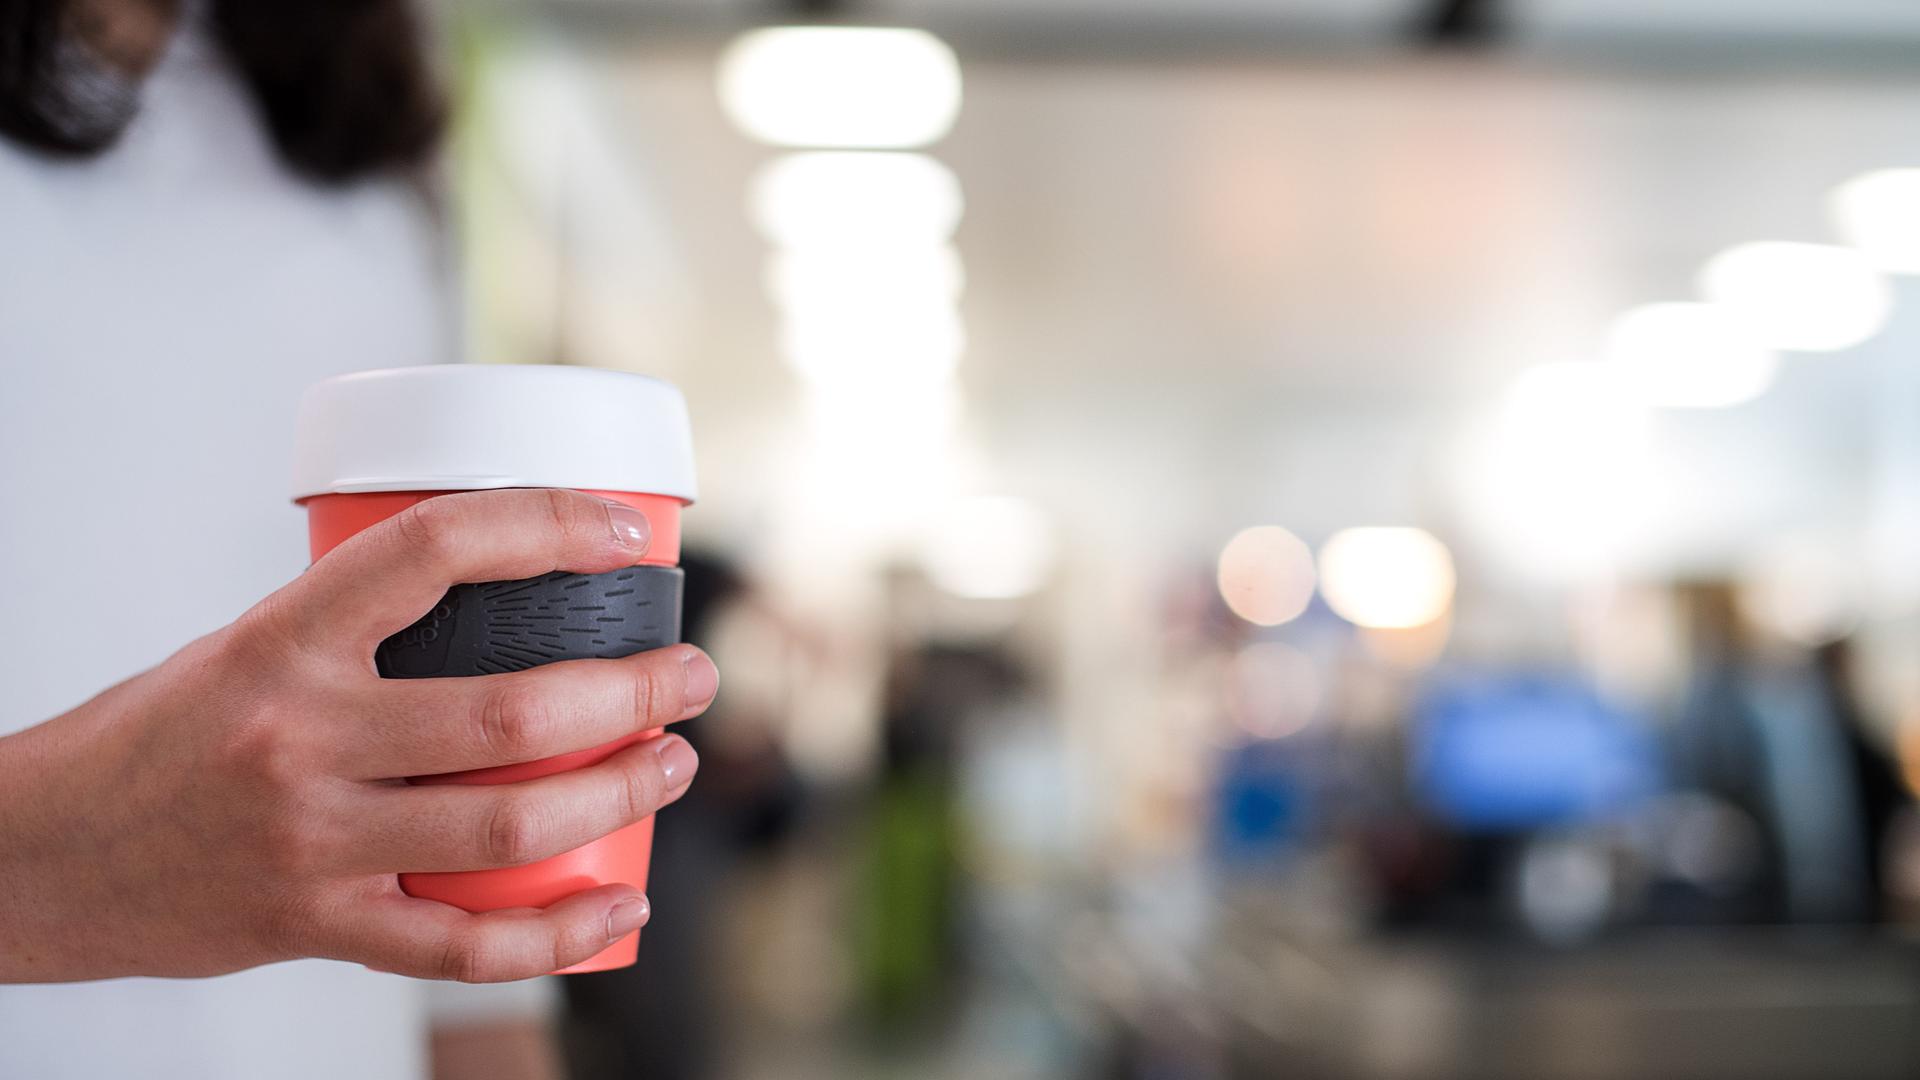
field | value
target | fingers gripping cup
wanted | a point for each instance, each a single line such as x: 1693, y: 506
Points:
x: 371, y: 444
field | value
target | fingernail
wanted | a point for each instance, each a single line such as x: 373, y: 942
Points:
x: 677, y: 760
x: 703, y: 680
x: 629, y: 526
x: 627, y: 916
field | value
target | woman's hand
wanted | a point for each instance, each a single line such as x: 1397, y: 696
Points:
x: 238, y: 804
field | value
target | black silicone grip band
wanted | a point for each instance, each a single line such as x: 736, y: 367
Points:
x: 500, y: 626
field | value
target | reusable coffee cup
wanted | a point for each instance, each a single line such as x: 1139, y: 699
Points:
x: 370, y: 444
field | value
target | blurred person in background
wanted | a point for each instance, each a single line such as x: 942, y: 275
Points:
x: 1779, y: 738
x: 203, y: 208
x: 906, y: 879
x: 1881, y: 795
x: 907, y: 922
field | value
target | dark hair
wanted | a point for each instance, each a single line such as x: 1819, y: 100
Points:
x: 343, y: 86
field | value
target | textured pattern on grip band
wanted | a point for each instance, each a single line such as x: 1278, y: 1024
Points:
x: 500, y: 626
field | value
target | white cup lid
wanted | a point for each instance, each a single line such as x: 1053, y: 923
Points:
x: 470, y: 426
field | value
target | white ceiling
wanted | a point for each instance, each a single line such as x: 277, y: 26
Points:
x: 1730, y: 19
x: 1206, y: 293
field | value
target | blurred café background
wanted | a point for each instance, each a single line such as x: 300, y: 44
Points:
x: 1249, y: 538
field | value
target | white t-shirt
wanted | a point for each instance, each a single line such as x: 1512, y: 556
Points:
x: 161, y: 307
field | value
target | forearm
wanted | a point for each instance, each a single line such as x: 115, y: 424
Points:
x: 33, y: 947
x: 77, y: 888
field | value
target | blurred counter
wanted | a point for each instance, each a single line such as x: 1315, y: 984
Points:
x: 1747, y: 1004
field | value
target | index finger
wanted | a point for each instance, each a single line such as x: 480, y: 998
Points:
x: 379, y: 581
x: 418, y: 727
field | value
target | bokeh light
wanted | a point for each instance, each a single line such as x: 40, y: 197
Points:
x: 1566, y: 888
x: 856, y: 200
x: 1806, y: 297
x: 1707, y: 842
x: 835, y: 278
x: 1689, y: 356
x: 880, y: 347
x: 988, y: 547
x: 1879, y: 214
x: 1386, y: 578
x: 1571, y: 402
x: 841, y: 86
x: 1559, y: 475
x: 862, y: 271
x: 1272, y: 690
x: 1266, y: 575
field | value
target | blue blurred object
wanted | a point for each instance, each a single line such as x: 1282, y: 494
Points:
x: 1516, y: 751
x: 1262, y: 802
